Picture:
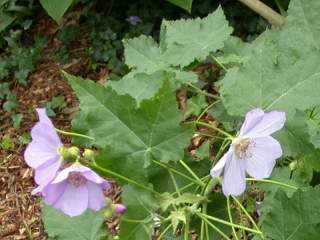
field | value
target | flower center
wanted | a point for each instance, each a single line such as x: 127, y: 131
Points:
x: 76, y: 179
x: 242, y: 148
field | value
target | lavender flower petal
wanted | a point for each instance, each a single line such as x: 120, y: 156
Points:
x: 251, y: 120
x: 46, y: 172
x: 234, y: 182
x: 263, y: 157
x: 271, y: 122
x: 75, y: 189
x: 45, y: 142
x: 96, y: 196
x: 53, y: 193
x: 74, y: 200
x: 217, y: 169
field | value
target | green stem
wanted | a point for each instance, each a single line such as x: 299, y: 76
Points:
x: 198, y: 90
x: 206, y: 109
x: 204, y: 225
x: 229, y: 224
x: 213, y: 226
x: 94, y: 165
x: 174, y: 171
x: 186, y: 230
x: 191, y: 184
x: 214, y: 128
x: 225, y: 143
x: 134, y: 220
x: 174, y: 183
x: 192, y: 173
x: 208, y: 135
x: 272, y: 182
x: 165, y: 231
x: 230, y: 218
x: 219, y: 63
x: 247, y: 214
x: 74, y: 134
x: 281, y: 9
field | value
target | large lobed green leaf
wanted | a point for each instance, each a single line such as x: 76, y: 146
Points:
x: 88, y: 226
x: 152, y: 131
x: 293, y: 218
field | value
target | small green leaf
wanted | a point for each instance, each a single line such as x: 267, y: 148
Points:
x: 195, y: 105
x: 167, y: 200
x: 140, y: 86
x: 185, y: 4
x: 56, y: 8
x: 143, y: 54
x: 25, y: 138
x: 88, y: 226
x: 17, y: 119
x: 6, y: 143
x: 5, y: 20
x: 203, y: 151
x: 208, y: 35
x: 11, y: 103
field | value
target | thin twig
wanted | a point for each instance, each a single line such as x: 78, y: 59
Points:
x: 265, y: 11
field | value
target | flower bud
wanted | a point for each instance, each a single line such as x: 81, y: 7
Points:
x: 120, y: 208
x: 108, y: 213
x: 71, y: 153
x: 88, y: 155
x: 293, y: 165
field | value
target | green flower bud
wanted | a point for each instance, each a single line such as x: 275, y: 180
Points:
x: 88, y: 155
x: 293, y: 165
x: 71, y: 153
x: 108, y: 213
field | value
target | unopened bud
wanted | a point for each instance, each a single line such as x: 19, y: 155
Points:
x: 120, y: 208
x: 108, y: 213
x: 88, y: 155
x: 293, y: 165
x: 71, y: 153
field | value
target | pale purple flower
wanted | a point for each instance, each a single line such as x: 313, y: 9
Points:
x: 134, y: 20
x: 42, y: 153
x: 253, y: 151
x: 120, y: 208
x: 75, y: 189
